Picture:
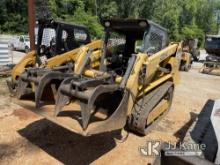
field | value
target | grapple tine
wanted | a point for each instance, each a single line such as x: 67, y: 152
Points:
x: 45, y: 80
x: 86, y: 113
x: 22, y: 86
x: 11, y: 87
x: 62, y: 98
x: 86, y: 109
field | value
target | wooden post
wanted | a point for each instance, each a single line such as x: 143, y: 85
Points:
x: 31, y: 23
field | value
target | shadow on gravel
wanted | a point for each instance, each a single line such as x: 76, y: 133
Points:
x: 181, y: 133
x: 66, y: 146
x: 202, y: 131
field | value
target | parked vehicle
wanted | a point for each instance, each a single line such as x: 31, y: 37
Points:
x: 21, y: 43
x: 212, y: 63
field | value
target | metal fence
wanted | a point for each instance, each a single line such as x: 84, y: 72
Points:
x: 5, y: 53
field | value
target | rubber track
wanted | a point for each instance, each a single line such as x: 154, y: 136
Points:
x: 143, y: 107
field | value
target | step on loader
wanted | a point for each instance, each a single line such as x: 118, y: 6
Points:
x: 131, y: 84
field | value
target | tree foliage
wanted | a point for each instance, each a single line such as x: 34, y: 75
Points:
x: 13, y: 16
x: 182, y: 18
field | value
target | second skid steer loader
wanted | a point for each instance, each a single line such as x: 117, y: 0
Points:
x: 132, y: 83
x: 53, y: 38
x: 187, y: 57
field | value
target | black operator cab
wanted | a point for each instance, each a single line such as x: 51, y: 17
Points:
x: 212, y: 44
x: 124, y: 37
x: 58, y: 37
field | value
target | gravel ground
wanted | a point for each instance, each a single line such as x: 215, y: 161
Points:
x: 26, y: 138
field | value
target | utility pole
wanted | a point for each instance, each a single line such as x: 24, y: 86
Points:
x: 31, y: 23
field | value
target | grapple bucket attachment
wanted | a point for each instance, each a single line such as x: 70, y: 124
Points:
x: 41, y: 78
x: 94, y: 96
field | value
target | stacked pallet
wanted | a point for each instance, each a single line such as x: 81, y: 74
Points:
x: 4, y: 51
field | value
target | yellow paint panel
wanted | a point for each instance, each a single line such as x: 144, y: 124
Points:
x: 156, y: 83
x: 71, y: 55
x: 157, y: 111
x: 28, y: 59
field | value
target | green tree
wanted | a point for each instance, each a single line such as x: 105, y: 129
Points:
x: 192, y: 31
x: 107, y: 9
x: 205, y: 16
x: 12, y: 21
x: 146, y: 9
x: 129, y: 8
x: 167, y: 13
x: 84, y: 18
x: 182, y: 18
x: 3, y: 14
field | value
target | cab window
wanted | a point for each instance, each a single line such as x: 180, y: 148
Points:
x: 21, y: 39
x: 80, y: 35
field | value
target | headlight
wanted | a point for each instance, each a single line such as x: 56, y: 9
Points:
x: 143, y: 24
x: 107, y: 24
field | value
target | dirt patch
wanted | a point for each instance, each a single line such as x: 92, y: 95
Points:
x: 23, y: 114
x: 6, y: 103
x: 3, y: 87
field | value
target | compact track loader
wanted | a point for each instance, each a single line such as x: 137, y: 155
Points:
x: 189, y: 54
x: 212, y: 63
x: 191, y: 45
x: 130, y: 82
x: 186, y: 61
x: 53, y: 38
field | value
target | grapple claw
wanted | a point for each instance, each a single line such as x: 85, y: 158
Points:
x: 44, y: 81
x: 22, y: 86
x: 93, y: 94
x: 11, y: 86
x: 62, y: 99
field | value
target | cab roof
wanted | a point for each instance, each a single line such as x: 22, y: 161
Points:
x: 54, y: 23
x: 133, y: 27
x: 213, y: 36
